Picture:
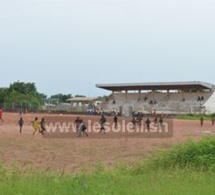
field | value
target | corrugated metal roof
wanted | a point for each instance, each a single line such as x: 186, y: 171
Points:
x: 191, y: 85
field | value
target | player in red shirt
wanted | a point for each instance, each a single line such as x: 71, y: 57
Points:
x: 1, y: 115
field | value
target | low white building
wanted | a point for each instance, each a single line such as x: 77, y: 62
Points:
x: 82, y: 101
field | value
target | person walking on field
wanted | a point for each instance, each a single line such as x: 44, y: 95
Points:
x: 77, y: 124
x: 213, y: 120
x: 1, y: 113
x: 202, y: 121
x: 102, y: 122
x: 148, y: 122
x: 82, y: 128
x: 35, y: 125
x: 155, y: 120
x: 42, y: 126
x: 20, y: 122
x: 115, y: 119
x: 133, y: 121
x: 161, y: 121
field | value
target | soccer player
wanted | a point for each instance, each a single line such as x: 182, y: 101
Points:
x: 102, y: 122
x: 161, y: 121
x: 148, y: 122
x: 155, y: 120
x: 35, y: 125
x: 1, y: 115
x: 115, y: 120
x: 77, y: 124
x: 82, y: 128
x: 42, y: 126
x: 202, y: 121
x: 213, y: 120
x: 20, y: 122
x: 133, y: 121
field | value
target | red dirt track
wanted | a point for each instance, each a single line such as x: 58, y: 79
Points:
x: 81, y: 153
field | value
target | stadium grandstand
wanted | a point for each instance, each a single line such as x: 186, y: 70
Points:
x: 164, y: 97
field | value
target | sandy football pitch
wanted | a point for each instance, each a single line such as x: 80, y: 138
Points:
x: 82, y: 153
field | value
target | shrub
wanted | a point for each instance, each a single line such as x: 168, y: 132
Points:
x: 191, y: 154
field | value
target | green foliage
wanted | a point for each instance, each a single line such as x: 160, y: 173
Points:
x: 23, y: 88
x: 62, y: 98
x: 80, y: 95
x: 157, y: 182
x: 102, y: 98
x: 199, y: 156
x: 195, y: 116
x: 3, y: 94
x: 20, y: 93
x: 212, y: 115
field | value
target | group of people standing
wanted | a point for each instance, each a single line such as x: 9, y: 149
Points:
x: 139, y: 121
x: 202, y: 120
x: 81, y: 127
x: 38, y: 126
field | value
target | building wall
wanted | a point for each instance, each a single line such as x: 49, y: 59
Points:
x: 210, y: 104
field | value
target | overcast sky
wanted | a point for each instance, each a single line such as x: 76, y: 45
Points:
x: 68, y: 46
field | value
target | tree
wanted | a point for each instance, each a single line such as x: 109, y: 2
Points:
x: 23, y: 88
x: 80, y: 96
x: 62, y: 98
x: 22, y: 94
x: 3, y: 94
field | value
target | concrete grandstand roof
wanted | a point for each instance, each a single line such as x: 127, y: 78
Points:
x: 193, y: 85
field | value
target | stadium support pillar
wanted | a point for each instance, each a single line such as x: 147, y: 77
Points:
x: 126, y: 95
x: 139, y: 95
x: 168, y: 94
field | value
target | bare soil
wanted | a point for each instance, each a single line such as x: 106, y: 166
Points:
x: 82, y: 153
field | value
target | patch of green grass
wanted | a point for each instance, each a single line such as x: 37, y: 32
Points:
x: 188, y: 168
x: 171, y: 181
x: 197, y: 155
x: 195, y: 116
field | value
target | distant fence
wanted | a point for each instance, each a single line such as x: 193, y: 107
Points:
x: 28, y: 108
x: 16, y: 107
x: 69, y: 109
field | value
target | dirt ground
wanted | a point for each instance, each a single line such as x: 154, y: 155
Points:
x: 82, y: 153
